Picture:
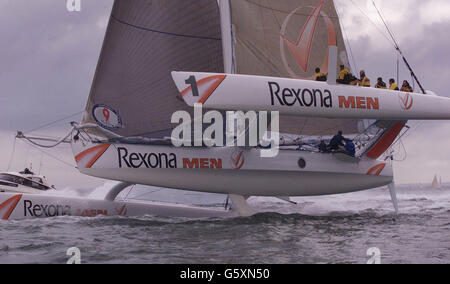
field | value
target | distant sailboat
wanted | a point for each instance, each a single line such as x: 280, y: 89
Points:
x: 436, y: 184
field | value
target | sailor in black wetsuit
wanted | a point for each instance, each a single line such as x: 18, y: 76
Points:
x: 338, y: 140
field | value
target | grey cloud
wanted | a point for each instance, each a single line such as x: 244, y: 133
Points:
x: 49, y: 59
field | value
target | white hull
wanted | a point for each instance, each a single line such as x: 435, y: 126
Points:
x: 24, y: 183
x: 231, y: 170
x: 29, y: 206
x: 20, y: 189
x: 308, y: 98
x: 247, y: 183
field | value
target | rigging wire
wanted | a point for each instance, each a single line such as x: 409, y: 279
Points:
x: 54, y: 122
x: 37, y: 146
x: 40, y: 163
x: 391, y: 34
x: 129, y: 192
x: 50, y: 155
x: 405, y: 136
x: 62, y: 140
x: 27, y: 155
x: 12, y: 154
x: 402, y: 145
x: 140, y: 196
x: 397, y: 47
x: 415, y: 128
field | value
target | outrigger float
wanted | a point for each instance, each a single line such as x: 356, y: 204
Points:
x: 19, y: 204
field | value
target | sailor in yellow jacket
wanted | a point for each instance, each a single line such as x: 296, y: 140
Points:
x: 392, y: 85
x: 343, y: 75
x: 406, y: 87
x: 364, y: 81
x: 380, y: 84
x: 319, y: 75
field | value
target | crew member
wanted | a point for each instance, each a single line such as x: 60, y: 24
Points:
x: 380, y: 84
x: 392, y: 85
x: 406, y: 87
x: 27, y: 172
x: 336, y: 141
x: 320, y: 76
x: 350, y: 147
x: 364, y: 81
x: 344, y: 76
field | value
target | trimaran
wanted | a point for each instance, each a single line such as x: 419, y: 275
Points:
x: 240, y: 55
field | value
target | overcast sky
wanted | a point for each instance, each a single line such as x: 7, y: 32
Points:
x: 48, y: 58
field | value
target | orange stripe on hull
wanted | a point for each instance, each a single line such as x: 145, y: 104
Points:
x: 12, y: 203
x: 376, y: 171
x: 205, y: 96
x: 99, y: 150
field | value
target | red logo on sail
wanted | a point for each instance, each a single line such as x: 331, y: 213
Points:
x: 7, y: 207
x: 238, y: 159
x: 406, y: 101
x: 301, y: 49
x: 106, y: 113
x: 107, y: 117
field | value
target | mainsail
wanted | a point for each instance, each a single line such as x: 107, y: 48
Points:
x: 133, y: 94
x: 289, y: 38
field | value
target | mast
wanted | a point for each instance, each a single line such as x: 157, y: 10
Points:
x: 227, y: 35
x: 228, y: 51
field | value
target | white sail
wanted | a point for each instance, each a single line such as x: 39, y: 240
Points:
x: 289, y: 39
x: 435, y: 184
x: 133, y: 94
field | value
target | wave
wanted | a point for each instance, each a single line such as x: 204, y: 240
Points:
x: 412, y: 199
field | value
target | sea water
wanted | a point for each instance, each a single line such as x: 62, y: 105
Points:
x: 350, y: 228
